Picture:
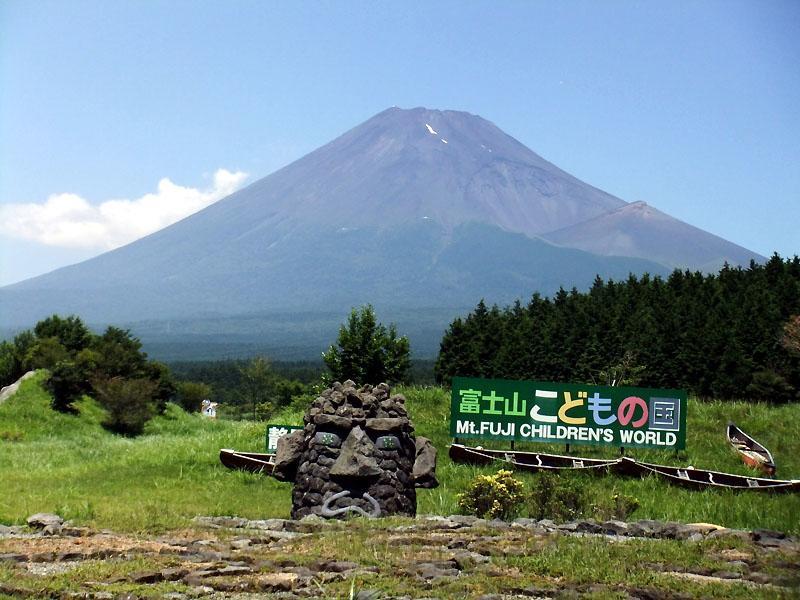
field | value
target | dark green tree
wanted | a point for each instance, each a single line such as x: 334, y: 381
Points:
x: 128, y: 402
x: 191, y: 395
x: 119, y: 354
x: 45, y: 353
x: 70, y: 332
x: 7, y: 364
x: 367, y: 351
x: 259, y: 386
x: 68, y: 381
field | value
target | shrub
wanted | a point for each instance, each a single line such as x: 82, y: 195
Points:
x: 560, y: 498
x: 46, y: 353
x: 497, y: 496
x: 8, y: 364
x: 129, y: 402
x: 68, y: 381
x: 191, y: 395
x: 564, y: 497
x: 622, y: 505
x: 769, y: 386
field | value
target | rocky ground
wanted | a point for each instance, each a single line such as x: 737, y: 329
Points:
x: 427, y: 557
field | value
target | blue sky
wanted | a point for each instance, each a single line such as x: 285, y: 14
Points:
x: 117, y: 117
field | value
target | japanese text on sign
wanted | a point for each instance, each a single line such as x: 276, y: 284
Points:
x: 568, y: 413
x: 275, y: 432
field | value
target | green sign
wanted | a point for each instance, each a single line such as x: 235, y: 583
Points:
x: 568, y: 413
x: 275, y: 432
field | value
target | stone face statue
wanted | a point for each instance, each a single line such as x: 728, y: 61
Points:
x: 356, y: 454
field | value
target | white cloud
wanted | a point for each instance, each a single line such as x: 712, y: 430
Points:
x: 69, y: 221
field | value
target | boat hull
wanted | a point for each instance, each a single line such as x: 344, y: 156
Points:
x: 687, y: 477
x: 247, y: 461
x: 754, y: 454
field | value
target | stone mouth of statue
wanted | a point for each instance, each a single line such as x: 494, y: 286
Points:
x: 327, y: 511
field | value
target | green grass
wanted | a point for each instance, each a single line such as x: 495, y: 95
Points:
x: 70, y: 465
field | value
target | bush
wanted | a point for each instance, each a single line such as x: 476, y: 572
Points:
x: 564, y: 497
x: 560, y: 498
x: 497, y: 496
x: 46, y: 353
x: 68, y: 381
x: 8, y: 364
x: 129, y: 402
x: 191, y: 395
x: 622, y: 505
x: 769, y: 386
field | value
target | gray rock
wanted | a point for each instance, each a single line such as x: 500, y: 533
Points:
x: 356, y: 458
x: 268, y: 524
x: 42, y: 520
x: 6, y: 530
x: 52, y: 529
x: 387, y: 425
x: 466, y: 520
x: 287, y: 455
x: 615, y: 527
x: 726, y: 575
x: 221, y: 522
x: 424, y: 471
x: 332, y: 420
x: 147, y: 577
x: 731, y: 533
x: 524, y: 523
x: 548, y: 524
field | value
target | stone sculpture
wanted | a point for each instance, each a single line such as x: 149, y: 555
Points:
x: 356, y: 454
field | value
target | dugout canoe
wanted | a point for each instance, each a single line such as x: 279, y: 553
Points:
x: 687, y: 477
x: 752, y: 453
x: 700, y: 479
x: 254, y: 462
x: 528, y: 461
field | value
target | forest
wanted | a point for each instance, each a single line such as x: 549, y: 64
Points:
x: 730, y: 335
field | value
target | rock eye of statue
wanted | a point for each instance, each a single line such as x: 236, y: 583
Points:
x: 327, y: 438
x: 387, y: 442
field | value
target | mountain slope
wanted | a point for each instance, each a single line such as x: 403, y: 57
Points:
x: 638, y: 229
x: 413, y: 208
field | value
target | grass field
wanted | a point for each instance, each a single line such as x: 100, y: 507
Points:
x: 70, y: 465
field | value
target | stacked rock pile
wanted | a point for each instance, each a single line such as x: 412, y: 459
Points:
x: 356, y: 454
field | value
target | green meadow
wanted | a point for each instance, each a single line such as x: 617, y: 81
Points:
x: 70, y: 465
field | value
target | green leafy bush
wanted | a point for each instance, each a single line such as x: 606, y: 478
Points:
x: 68, y: 381
x: 191, y: 395
x: 497, y: 496
x: 621, y: 507
x: 560, y: 498
x: 564, y: 497
x: 130, y: 403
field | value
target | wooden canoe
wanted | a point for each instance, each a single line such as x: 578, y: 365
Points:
x: 528, y: 461
x: 688, y: 477
x: 247, y: 461
x: 699, y: 479
x: 752, y: 453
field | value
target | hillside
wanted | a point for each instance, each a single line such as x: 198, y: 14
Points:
x: 68, y: 464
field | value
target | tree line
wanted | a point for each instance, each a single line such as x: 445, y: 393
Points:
x: 111, y: 367
x: 734, y: 334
